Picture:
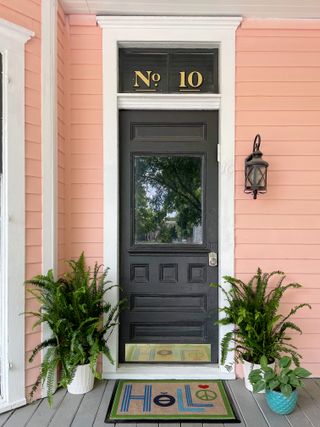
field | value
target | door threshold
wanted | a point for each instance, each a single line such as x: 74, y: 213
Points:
x: 169, y: 371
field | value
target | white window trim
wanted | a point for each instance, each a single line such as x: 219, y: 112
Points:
x: 12, y: 298
x: 169, y: 31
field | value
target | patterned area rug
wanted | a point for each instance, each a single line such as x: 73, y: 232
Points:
x: 175, y: 400
x: 193, y: 353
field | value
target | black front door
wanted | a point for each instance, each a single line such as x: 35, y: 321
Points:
x: 168, y: 227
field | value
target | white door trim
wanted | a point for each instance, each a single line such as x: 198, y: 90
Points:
x: 174, y: 31
x: 12, y: 271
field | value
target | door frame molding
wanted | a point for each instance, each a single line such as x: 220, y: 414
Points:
x: 159, y: 31
x: 12, y: 226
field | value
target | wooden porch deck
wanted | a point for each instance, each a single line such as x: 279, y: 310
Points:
x: 90, y: 410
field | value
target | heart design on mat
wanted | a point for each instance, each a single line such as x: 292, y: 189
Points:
x: 203, y: 386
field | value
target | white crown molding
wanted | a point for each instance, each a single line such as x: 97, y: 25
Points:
x: 134, y: 101
x: 13, y: 31
x: 174, y: 22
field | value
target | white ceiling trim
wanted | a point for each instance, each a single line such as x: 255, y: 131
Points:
x: 163, y: 22
x: 284, y: 9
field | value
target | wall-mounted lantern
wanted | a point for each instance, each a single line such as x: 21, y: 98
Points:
x: 255, y: 171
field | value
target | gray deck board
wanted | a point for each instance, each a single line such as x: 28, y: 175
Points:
x: 298, y: 419
x: 273, y: 419
x: 101, y: 414
x: 4, y: 417
x: 205, y: 425
x: 309, y: 409
x: 197, y: 425
x: 90, y: 410
x: 21, y: 416
x: 67, y: 410
x: 89, y: 406
x: 44, y: 414
x: 313, y: 390
x: 234, y: 398
x: 252, y: 417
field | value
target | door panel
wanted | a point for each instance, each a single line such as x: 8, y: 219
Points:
x: 168, y: 225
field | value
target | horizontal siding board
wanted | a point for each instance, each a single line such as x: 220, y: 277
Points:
x: 91, y: 190
x: 279, y: 118
x: 292, y: 134
x: 279, y: 59
x: 277, y: 237
x: 278, y: 44
x: 285, y: 88
x: 291, y: 266
x: 291, y: 163
x: 279, y: 74
x: 262, y: 251
x: 277, y: 102
x: 280, y: 178
x: 262, y: 221
x: 86, y: 102
x: 302, y: 192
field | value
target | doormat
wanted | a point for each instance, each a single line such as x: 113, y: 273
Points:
x: 171, y: 400
x: 187, y: 353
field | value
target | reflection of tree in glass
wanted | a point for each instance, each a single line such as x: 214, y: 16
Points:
x: 168, y: 198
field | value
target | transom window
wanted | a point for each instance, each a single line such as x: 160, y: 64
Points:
x: 168, y: 70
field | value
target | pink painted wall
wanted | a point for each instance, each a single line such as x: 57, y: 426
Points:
x: 278, y: 96
x: 61, y: 121
x: 28, y: 14
x: 83, y: 220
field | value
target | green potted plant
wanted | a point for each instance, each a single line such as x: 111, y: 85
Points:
x: 280, y: 383
x: 80, y: 319
x: 259, y: 329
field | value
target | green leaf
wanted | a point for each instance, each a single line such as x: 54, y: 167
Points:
x: 273, y: 384
x: 285, y: 362
x: 264, y: 362
x: 294, y: 381
x: 283, y: 379
x: 259, y: 386
x: 301, y: 372
x: 286, y: 389
x: 269, y: 376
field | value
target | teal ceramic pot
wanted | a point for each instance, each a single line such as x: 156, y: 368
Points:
x: 279, y: 403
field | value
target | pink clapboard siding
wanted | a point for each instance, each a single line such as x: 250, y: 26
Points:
x: 81, y: 156
x: 61, y: 120
x: 83, y: 221
x: 27, y: 13
x: 278, y: 96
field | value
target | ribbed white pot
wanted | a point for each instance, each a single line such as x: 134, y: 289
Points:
x: 82, y: 381
x: 247, y: 368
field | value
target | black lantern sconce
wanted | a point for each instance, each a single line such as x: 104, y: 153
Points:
x: 255, y: 171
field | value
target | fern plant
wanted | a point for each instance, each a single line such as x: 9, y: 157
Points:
x: 80, y: 319
x: 259, y: 328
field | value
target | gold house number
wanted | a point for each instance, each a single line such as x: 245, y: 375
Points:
x: 191, y: 81
x: 188, y: 82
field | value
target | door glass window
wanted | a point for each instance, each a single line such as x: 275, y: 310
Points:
x: 168, y: 199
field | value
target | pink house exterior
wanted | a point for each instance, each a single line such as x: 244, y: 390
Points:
x: 277, y: 94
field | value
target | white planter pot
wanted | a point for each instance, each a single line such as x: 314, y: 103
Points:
x: 82, y: 381
x: 247, y: 368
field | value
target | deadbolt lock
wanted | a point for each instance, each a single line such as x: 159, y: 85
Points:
x: 212, y: 259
